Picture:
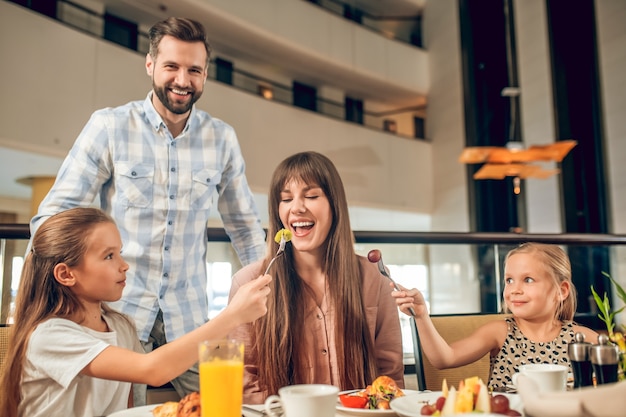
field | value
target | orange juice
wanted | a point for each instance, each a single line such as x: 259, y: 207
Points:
x: 221, y: 387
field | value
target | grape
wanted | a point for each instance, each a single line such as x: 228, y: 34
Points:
x: 499, y: 404
x: 440, y: 402
x: 374, y: 256
x: 428, y: 410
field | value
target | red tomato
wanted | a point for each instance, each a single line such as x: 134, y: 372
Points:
x: 353, y: 400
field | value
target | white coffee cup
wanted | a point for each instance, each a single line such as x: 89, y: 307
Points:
x: 548, y: 377
x: 304, y: 400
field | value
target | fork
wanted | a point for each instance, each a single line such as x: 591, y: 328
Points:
x: 376, y: 257
x: 252, y: 410
x: 280, y: 251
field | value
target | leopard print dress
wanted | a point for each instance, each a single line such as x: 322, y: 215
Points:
x: 518, y: 350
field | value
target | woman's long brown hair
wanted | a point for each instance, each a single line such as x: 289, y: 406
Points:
x: 60, y: 239
x: 279, y: 334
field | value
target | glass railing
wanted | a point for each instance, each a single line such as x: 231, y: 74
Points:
x: 457, y: 272
x: 92, y: 23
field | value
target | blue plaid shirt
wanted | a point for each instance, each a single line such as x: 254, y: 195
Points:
x: 160, y: 190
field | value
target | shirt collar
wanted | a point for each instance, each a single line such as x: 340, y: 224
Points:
x: 155, y: 118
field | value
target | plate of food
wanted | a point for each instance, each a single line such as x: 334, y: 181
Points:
x: 189, y: 407
x: 472, y: 396
x: 374, y: 400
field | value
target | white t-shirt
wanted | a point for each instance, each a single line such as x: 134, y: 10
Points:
x: 57, y: 351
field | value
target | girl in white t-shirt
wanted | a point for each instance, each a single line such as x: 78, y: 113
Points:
x: 71, y: 355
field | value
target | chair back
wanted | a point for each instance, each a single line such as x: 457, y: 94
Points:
x: 452, y: 328
x: 4, y: 343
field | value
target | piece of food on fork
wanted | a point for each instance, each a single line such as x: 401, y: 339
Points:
x: 282, y: 237
x: 282, y: 234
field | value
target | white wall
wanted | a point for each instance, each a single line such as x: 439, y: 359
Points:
x: 537, y: 116
x: 445, y: 125
x: 611, y: 30
x: 453, y: 280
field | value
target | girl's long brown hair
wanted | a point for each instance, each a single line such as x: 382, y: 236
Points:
x: 278, y: 334
x: 60, y: 239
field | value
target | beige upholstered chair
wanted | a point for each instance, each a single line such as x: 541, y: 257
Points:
x: 451, y: 328
x: 4, y: 343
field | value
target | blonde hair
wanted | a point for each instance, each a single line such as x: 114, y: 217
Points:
x: 60, y: 239
x: 558, y: 265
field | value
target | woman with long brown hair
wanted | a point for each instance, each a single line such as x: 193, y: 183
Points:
x: 330, y: 317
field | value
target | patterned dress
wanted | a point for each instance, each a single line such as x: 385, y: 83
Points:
x: 518, y: 350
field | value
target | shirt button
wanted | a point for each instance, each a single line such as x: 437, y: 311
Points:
x: 324, y: 351
x: 172, y: 197
x: 173, y: 169
x: 134, y: 173
x: 166, y: 275
x: 170, y: 222
x: 167, y: 248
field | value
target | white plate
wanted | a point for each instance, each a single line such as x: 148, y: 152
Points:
x: 410, y: 405
x: 370, y: 413
x: 144, y: 411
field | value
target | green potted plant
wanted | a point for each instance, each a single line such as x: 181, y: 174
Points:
x: 608, y: 317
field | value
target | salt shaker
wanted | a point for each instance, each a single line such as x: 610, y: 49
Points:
x: 578, y: 352
x: 604, y: 360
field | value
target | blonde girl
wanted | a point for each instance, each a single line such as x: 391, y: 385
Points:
x: 71, y: 355
x: 539, y: 294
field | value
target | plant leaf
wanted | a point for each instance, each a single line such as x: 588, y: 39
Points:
x: 605, y: 310
x: 620, y: 291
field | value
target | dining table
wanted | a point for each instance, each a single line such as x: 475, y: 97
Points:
x: 410, y: 408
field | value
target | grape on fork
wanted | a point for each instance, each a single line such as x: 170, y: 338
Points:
x: 375, y: 257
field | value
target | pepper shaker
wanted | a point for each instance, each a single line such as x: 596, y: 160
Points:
x: 578, y: 352
x: 604, y: 360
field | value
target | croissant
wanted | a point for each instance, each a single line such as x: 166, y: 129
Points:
x: 188, y: 406
x: 167, y: 409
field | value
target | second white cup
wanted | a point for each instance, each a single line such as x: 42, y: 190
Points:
x: 304, y: 400
x: 548, y: 377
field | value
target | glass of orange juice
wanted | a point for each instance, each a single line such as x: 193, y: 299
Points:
x: 221, y: 378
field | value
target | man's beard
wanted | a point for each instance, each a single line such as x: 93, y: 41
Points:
x: 176, y: 108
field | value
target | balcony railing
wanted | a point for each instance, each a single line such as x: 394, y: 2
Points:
x: 95, y: 24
